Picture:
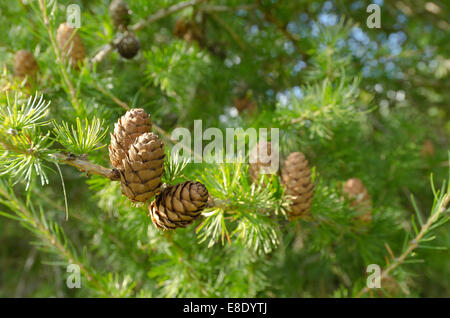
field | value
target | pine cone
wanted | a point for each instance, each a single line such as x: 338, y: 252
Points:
x: 296, y: 176
x: 188, y: 31
x: 179, y: 205
x: 355, y: 190
x: 244, y: 103
x: 129, y: 46
x: 143, y: 168
x: 120, y: 14
x: 260, y: 160
x: 180, y: 29
x: 24, y: 64
x: 71, y: 46
x: 127, y: 129
x: 427, y: 149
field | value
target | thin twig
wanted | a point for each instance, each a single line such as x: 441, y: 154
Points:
x: 222, y: 8
x: 64, y: 191
x: 59, y: 61
x: 158, y: 15
x: 112, y: 96
x: 108, y: 48
x: 227, y: 28
x: 164, y: 13
x: 413, y: 244
x: 78, y: 162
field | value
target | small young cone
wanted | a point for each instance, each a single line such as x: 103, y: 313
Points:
x: 244, y: 103
x: 143, y: 168
x: 179, y: 205
x: 180, y: 28
x: 70, y: 44
x: 120, y: 14
x: 25, y: 64
x: 355, y: 191
x: 187, y: 30
x: 296, y: 176
x: 128, y: 128
x: 260, y: 160
x: 129, y: 46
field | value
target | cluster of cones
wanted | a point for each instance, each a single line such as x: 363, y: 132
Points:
x: 296, y: 178
x: 138, y: 154
x: 70, y: 45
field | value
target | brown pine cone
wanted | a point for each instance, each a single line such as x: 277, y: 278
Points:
x: 143, y: 168
x: 129, y: 46
x: 179, y: 205
x: 244, y: 103
x: 24, y: 64
x: 128, y: 128
x: 355, y: 191
x: 120, y: 14
x: 296, y: 176
x: 428, y: 149
x: 180, y: 29
x: 70, y: 45
x: 260, y: 158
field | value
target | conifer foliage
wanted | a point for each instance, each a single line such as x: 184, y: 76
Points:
x: 91, y: 116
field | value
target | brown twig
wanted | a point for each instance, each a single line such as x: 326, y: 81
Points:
x: 165, y: 12
x: 161, y: 131
x: 112, y: 96
x: 223, y: 8
x: 79, y: 162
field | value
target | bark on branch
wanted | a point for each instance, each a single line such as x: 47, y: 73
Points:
x: 85, y: 165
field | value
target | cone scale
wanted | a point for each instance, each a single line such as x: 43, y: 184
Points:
x: 296, y: 176
x: 127, y: 129
x: 178, y: 206
x: 143, y: 167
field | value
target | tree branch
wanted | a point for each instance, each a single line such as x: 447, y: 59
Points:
x: 79, y: 162
x: 85, y: 165
x: 158, y: 15
x: 165, y: 12
x: 227, y: 28
x: 414, y: 243
x: 223, y: 8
